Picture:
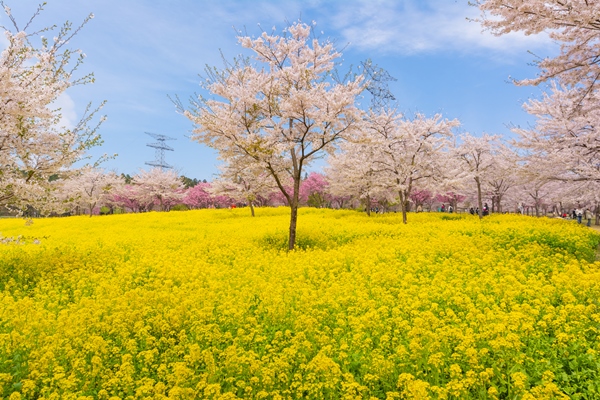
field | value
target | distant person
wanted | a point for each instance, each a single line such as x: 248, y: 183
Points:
x: 589, y: 215
x: 450, y: 209
x: 472, y: 211
x: 443, y: 208
x: 579, y: 214
x: 486, y: 209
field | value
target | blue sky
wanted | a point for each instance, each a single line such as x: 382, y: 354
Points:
x: 142, y: 51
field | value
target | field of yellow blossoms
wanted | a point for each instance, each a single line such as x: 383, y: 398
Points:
x: 208, y: 304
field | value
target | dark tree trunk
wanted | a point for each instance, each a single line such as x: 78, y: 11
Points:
x: 251, y: 208
x: 293, y: 223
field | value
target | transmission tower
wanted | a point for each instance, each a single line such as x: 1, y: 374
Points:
x: 377, y: 86
x: 160, y: 148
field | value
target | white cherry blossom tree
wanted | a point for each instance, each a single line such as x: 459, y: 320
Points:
x: 163, y: 188
x: 574, y: 24
x: 408, y: 152
x: 90, y: 187
x: 477, y: 156
x: 34, y: 147
x: 352, y: 172
x: 280, y: 109
x: 565, y: 142
x: 243, y: 180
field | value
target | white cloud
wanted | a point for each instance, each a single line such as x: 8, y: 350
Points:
x: 415, y: 26
x: 65, y: 103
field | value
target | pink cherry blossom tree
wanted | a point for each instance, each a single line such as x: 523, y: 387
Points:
x: 34, y: 146
x: 451, y: 198
x: 132, y: 197
x: 280, y: 109
x: 313, y: 190
x: 198, y: 196
x: 421, y: 197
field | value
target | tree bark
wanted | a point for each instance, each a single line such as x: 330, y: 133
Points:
x: 251, y: 208
x: 368, y: 206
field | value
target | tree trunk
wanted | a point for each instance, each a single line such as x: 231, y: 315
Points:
x: 479, y: 200
x: 251, y: 208
x: 368, y: 206
x: 295, y: 201
x: 403, y: 205
x: 293, y: 222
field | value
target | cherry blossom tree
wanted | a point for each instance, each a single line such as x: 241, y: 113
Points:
x: 352, y: 172
x: 281, y: 109
x: 198, y: 196
x: 503, y: 176
x: 89, y: 188
x: 34, y: 147
x: 313, y: 190
x: 564, y: 141
x: 476, y: 154
x: 421, y: 197
x: 131, y: 197
x: 408, y: 152
x: 163, y: 188
x: 574, y: 24
x: 242, y: 180
x: 451, y: 198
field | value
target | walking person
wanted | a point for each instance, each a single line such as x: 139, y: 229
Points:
x: 579, y: 214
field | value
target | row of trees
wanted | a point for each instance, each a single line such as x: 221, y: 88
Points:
x: 485, y: 176
x: 91, y: 189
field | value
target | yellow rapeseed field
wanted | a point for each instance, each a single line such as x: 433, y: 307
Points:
x: 208, y: 304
